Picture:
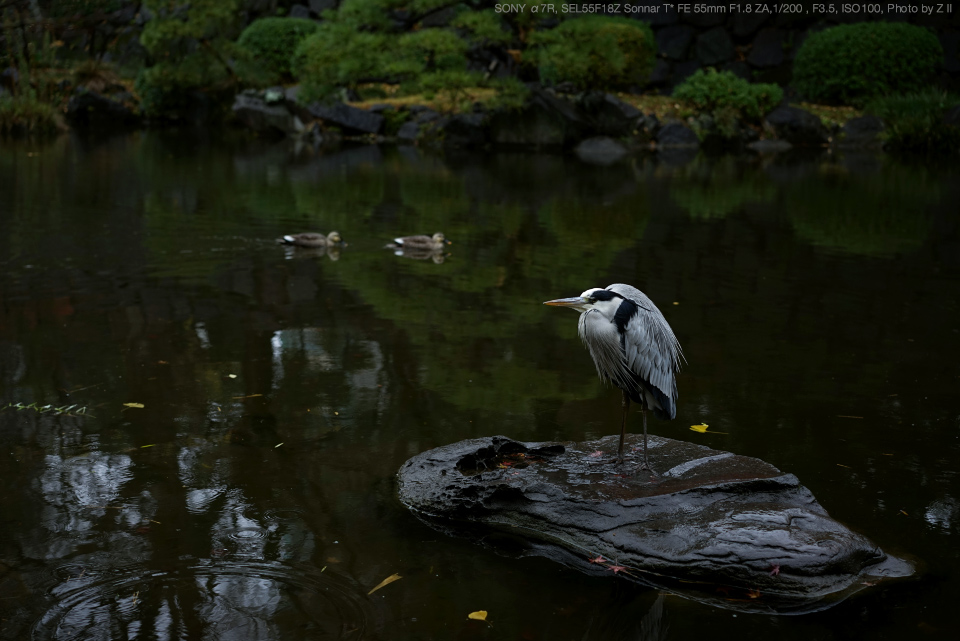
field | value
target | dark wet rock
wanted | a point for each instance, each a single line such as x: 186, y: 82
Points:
x: 253, y: 110
x: 465, y: 130
x: 703, y: 19
x: 600, y: 150
x: 299, y: 11
x: 409, y: 131
x: 352, y: 120
x: 743, y: 24
x: 683, y: 70
x: 424, y: 114
x: 767, y: 49
x: 661, y: 73
x: 739, y: 69
x: 861, y: 133
x: 675, y: 134
x: 607, y: 115
x: 91, y: 109
x: 674, y: 42
x: 714, y: 46
x: 547, y: 121
x: 319, y: 6
x: 797, y: 126
x: 714, y: 526
x: 770, y: 146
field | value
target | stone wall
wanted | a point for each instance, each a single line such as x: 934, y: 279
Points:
x: 760, y: 45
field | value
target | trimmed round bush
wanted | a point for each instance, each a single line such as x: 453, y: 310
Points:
x: 856, y: 62
x: 712, y: 90
x: 595, y: 52
x: 272, y: 41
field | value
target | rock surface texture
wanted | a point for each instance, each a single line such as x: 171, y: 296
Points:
x: 713, y: 526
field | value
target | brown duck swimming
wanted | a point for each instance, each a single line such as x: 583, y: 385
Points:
x: 312, y: 239
x: 420, y: 243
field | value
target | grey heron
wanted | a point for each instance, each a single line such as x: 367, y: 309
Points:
x: 420, y: 243
x: 312, y: 239
x: 633, y: 347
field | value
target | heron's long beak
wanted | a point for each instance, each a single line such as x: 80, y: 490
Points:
x: 577, y: 302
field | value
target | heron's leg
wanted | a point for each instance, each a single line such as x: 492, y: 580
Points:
x: 623, y: 426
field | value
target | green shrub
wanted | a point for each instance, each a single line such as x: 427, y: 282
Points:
x: 728, y: 98
x: 914, y: 122
x: 338, y: 55
x: 272, y: 41
x: 856, y: 62
x: 594, y: 52
x: 27, y: 114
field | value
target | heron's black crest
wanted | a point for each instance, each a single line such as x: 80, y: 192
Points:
x: 604, y: 294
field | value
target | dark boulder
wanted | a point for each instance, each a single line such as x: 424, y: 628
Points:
x: 352, y: 120
x: 464, y: 130
x: 607, y: 115
x: 409, y: 131
x: 674, y: 42
x: 258, y: 113
x: 796, y: 126
x: 714, y: 46
x: 714, y: 526
x: 675, y: 134
x: 744, y: 24
x: 547, y: 121
x: 861, y: 133
x: 600, y: 150
x: 767, y: 50
x: 93, y: 110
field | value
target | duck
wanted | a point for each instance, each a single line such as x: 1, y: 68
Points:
x: 420, y: 243
x: 312, y: 239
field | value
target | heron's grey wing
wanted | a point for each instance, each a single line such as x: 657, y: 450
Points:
x: 651, y: 349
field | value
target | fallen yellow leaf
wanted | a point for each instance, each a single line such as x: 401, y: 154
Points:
x: 140, y: 405
x: 387, y: 581
x: 479, y: 615
x: 699, y: 428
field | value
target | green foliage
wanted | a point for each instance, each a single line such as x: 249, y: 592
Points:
x: 272, y: 41
x: 483, y: 27
x: 856, y: 62
x: 914, y: 122
x: 192, y: 46
x: 338, y: 55
x: 27, y: 114
x: 712, y: 90
x: 727, y: 97
x: 595, y: 52
x: 511, y: 93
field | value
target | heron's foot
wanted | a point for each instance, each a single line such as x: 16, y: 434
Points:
x: 645, y: 467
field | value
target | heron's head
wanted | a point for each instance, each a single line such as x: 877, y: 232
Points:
x: 602, y: 300
x: 440, y: 238
x: 334, y: 237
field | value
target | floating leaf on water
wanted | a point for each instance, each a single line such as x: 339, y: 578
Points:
x: 387, y: 581
x: 479, y: 615
x: 231, y: 375
x: 151, y: 445
x: 277, y: 445
x: 702, y: 427
x: 137, y: 405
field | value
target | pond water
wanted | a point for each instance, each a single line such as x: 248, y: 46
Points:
x: 226, y: 417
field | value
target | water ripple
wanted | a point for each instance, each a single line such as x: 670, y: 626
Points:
x: 217, y: 599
